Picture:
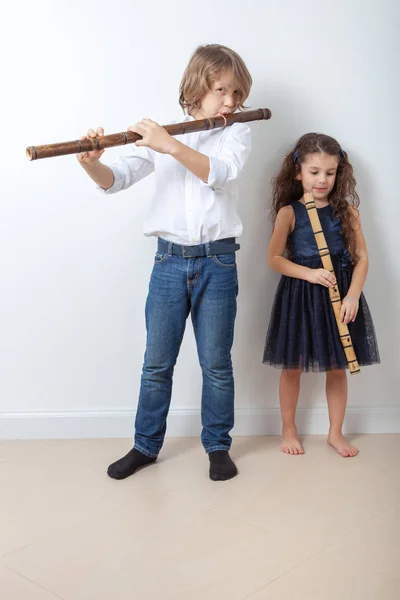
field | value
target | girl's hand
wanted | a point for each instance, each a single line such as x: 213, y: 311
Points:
x: 86, y: 158
x: 322, y: 277
x: 349, y: 309
x: 154, y: 136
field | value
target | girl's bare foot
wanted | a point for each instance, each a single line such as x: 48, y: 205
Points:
x: 341, y: 445
x: 290, y: 442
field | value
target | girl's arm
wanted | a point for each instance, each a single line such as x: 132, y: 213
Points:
x: 284, y: 224
x: 350, y: 302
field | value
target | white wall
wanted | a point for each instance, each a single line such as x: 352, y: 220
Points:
x: 74, y: 265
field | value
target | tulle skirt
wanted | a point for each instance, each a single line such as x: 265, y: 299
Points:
x: 303, y: 333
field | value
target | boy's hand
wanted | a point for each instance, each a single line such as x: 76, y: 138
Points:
x: 154, y: 136
x: 86, y: 158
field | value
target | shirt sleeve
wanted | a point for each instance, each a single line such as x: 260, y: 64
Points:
x: 231, y: 158
x: 130, y: 169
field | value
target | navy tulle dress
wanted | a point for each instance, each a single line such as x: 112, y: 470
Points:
x: 302, y: 333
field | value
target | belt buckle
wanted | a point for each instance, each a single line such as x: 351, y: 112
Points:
x: 188, y: 251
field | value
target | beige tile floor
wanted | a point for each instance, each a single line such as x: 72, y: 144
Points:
x: 312, y: 527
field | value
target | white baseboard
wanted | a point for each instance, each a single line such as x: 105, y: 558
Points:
x: 186, y: 422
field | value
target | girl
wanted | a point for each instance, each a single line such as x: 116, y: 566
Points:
x: 303, y: 334
x: 195, y: 220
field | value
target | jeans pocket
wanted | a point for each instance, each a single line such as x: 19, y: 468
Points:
x: 160, y: 257
x: 225, y: 260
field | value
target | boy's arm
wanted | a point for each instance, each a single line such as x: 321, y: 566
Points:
x: 121, y: 174
x: 102, y: 175
x: 213, y: 171
x: 196, y: 162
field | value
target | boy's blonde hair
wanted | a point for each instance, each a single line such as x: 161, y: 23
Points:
x: 207, y: 63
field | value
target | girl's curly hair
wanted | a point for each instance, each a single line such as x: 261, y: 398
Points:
x: 288, y: 189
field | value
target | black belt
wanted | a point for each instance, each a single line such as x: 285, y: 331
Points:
x: 225, y: 246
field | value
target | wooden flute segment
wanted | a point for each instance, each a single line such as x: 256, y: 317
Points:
x: 129, y: 137
x: 333, y: 291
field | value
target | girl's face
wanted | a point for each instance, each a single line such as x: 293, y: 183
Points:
x: 318, y: 173
x: 221, y: 99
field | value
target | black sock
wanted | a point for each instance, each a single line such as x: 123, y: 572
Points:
x: 128, y: 464
x: 222, y: 466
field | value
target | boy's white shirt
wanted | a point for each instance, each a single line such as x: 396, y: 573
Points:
x: 184, y: 209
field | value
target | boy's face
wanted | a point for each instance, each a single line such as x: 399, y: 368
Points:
x: 221, y: 99
x: 318, y: 174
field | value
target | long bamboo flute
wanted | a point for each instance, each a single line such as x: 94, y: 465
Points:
x: 333, y: 291
x: 129, y: 137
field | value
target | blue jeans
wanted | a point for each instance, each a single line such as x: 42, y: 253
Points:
x: 206, y: 288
